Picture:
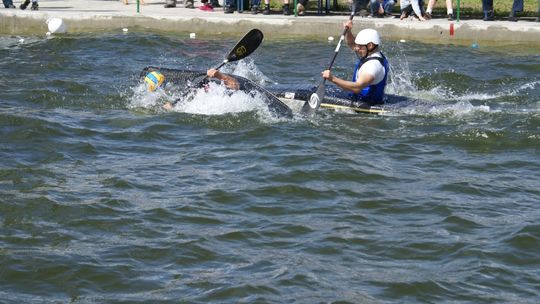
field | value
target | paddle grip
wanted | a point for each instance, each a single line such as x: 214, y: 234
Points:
x: 341, y: 38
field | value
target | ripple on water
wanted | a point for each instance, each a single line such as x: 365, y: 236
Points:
x: 105, y: 197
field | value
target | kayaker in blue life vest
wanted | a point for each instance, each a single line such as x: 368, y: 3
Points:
x: 371, y: 71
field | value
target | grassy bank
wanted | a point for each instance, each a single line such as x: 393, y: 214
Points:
x: 469, y: 9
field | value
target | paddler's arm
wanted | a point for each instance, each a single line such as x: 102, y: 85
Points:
x: 363, y: 81
x: 349, y: 37
x: 229, y: 81
x: 168, y: 105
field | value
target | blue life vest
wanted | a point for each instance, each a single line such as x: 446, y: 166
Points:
x: 373, y: 94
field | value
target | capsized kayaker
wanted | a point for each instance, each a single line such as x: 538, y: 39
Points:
x: 229, y: 82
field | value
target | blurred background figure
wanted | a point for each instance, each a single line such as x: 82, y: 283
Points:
x: 449, y: 9
x: 25, y: 4
x: 487, y: 7
x: 8, y: 4
x: 381, y: 8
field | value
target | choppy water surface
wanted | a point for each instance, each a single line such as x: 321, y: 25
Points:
x: 104, y: 197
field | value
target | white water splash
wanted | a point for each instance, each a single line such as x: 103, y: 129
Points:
x: 443, y: 100
x: 142, y: 98
x: 459, y: 109
x: 213, y: 101
x: 436, y: 101
x: 500, y: 94
x: 218, y: 100
x: 248, y: 69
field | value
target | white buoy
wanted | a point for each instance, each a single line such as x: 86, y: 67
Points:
x: 21, y: 40
x: 402, y: 40
x: 125, y: 30
x: 56, y: 25
x: 330, y: 38
x: 192, y: 35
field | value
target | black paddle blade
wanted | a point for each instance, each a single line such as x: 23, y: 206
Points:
x: 314, y: 102
x: 247, y: 45
x: 243, y: 48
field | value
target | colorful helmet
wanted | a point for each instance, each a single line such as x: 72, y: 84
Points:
x: 154, y: 79
x: 366, y: 36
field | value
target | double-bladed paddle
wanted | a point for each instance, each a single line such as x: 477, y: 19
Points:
x: 243, y: 48
x: 314, y: 102
x: 247, y: 45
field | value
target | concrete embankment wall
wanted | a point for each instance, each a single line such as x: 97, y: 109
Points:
x: 92, y: 15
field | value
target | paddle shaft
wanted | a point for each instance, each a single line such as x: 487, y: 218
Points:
x: 338, y: 46
x: 340, y: 42
x: 222, y: 64
x: 314, y: 102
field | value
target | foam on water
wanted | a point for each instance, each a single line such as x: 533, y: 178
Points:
x: 142, y: 98
x: 214, y: 100
x: 507, y: 92
x: 438, y: 100
x: 217, y: 100
x: 443, y: 100
x: 458, y: 109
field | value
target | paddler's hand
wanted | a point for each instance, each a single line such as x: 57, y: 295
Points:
x: 380, y: 10
x: 213, y: 73
x: 348, y: 25
x: 326, y: 74
x: 168, y: 106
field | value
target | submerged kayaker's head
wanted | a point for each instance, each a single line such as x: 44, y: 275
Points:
x: 367, y: 42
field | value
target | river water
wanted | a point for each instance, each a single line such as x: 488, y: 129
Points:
x: 107, y: 198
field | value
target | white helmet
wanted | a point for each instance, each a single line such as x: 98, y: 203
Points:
x: 366, y: 36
